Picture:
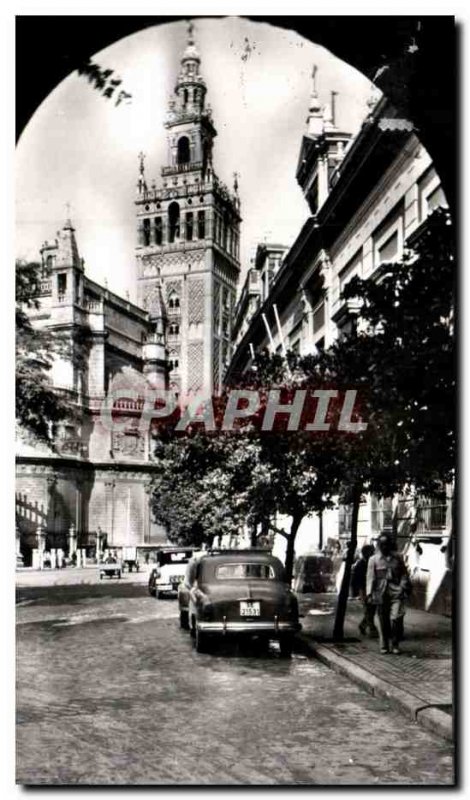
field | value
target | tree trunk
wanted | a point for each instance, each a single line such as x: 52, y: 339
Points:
x: 289, y: 564
x: 320, y: 530
x: 338, y: 630
x: 253, y: 534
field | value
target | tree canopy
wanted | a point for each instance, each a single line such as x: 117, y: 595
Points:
x: 38, y: 405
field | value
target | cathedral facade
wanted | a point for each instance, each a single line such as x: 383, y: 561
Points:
x: 94, y: 490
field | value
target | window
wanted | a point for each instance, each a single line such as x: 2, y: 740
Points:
x: 174, y: 329
x: 389, y: 250
x: 173, y: 302
x: 177, y: 557
x: 295, y: 346
x: 158, y: 230
x: 61, y: 283
x: 173, y: 364
x: 436, y: 199
x: 146, y: 232
x: 352, y: 268
x: 189, y: 225
x: 244, y: 571
x: 201, y: 225
x: 319, y: 318
x: 183, y: 150
x: 173, y: 221
x: 388, y: 239
x: 431, y: 195
x: 49, y: 262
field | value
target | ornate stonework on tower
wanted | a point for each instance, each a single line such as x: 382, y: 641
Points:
x: 188, y: 239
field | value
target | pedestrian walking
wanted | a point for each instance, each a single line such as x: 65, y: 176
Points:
x: 359, y: 590
x: 388, y: 586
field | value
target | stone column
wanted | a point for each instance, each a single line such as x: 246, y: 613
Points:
x: 51, y: 482
x: 147, y: 511
x: 41, y: 540
x: 19, y: 557
x: 72, y: 541
x: 109, y: 489
x: 99, y: 539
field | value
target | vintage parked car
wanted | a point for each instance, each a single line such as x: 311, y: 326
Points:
x: 314, y: 572
x: 111, y: 568
x: 167, y: 575
x: 238, y: 593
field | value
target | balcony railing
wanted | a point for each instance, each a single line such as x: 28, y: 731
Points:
x: 177, y: 168
x: 45, y: 287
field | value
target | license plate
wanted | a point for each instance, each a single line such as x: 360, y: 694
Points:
x: 249, y: 609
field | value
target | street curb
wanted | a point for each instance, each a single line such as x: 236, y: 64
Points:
x: 429, y: 717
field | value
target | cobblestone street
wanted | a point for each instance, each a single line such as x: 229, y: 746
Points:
x: 110, y: 691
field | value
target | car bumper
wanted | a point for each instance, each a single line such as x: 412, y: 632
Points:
x: 254, y: 628
x: 166, y: 587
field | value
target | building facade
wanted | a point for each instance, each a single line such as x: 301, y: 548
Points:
x: 369, y: 196
x: 94, y: 486
x: 259, y: 279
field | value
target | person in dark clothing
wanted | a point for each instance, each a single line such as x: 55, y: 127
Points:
x: 358, y: 586
x: 388, y: 586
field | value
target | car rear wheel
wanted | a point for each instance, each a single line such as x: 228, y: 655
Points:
x: 201, y: 643
x: 184, y: 621
x: 285, y: 646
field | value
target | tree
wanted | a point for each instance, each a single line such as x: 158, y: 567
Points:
x: 38, y: 406
x: 207, y: 484
x: 192, y: 489
x: 402, y: 357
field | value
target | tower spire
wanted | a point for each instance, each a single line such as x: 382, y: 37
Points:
x: 315, y: 116
x: 190, y: 89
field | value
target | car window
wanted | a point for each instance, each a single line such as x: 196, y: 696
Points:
x: 244, y: 571
x: 177, y: 557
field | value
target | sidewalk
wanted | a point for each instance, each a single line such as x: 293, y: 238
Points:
x: 72, y: 576
x: 418, y: 681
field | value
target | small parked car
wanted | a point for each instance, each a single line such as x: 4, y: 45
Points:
x: 111, y: 567
x: 239, y: 593
x: 314, y: 572
x: 169, y: 571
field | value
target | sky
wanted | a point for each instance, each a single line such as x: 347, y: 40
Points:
x: 80, y: 149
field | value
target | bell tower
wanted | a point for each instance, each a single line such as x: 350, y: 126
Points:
x: 189, y: 239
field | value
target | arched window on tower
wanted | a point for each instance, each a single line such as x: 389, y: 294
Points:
x: 173, y: 302
x: 201, y: 225
x: 183, y: 150
x: 185, y: 97
x: 189, y: 225
x: 174, y: 221
x: 158, y: 230
x: 146, y: 232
